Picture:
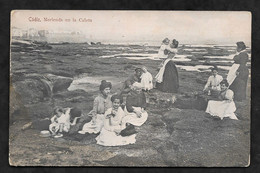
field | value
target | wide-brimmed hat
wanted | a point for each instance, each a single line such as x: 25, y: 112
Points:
x: 241, y: 45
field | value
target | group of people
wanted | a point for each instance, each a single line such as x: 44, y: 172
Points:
x: 225, y: 91
x: 114, y: 117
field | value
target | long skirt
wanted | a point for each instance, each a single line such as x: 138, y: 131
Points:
x: 94, y: 126
x: 170, y: 83
x: 222, y: 109
x: 109, y: 138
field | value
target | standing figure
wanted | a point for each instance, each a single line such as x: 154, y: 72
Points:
x: 146, y: 80
x: 167, y: 79
x: 238, y: 74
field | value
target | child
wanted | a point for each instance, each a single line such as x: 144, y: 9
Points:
x: 213, y: 84
x: 146, y: 80
x: 60, y: 122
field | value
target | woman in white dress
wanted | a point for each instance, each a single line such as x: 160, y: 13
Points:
x: 109, y: 135
x: 226, y: 106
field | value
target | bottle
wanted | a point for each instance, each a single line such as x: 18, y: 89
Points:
x: 209, y: 93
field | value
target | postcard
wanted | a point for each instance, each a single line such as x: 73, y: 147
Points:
x: 130, y: 88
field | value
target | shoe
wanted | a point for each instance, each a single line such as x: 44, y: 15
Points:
x: 59, y: 135
x: 81, y: 132
x: 128, y: 131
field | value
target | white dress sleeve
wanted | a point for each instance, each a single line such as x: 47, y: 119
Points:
x: 229, y: 94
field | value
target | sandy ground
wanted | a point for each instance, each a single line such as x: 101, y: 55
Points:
x: 174, y: 135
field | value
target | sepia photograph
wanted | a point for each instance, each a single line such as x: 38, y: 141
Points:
x: 130, y: 88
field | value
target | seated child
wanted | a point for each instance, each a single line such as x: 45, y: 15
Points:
x: 213, y: 84
x: 109, y: 135
x: 146, y: 80
x: 60, y: 122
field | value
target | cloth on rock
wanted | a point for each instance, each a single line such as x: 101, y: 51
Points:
x: 147, y: 81
x: 225, y: 108
x: 109, y: 136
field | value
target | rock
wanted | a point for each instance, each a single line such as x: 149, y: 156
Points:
x: 34, y: 87
x: 198, y: 140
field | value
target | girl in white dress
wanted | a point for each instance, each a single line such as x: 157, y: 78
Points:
x: 60, y: 122
x: 146, y: 80
x: 224, y: 108
x: 109, y: 135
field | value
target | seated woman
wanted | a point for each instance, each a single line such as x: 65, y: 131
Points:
x: 109, y: 135
x: 226, y: 106
x: 135, y: 114
x: 167, y: 79
x: 101, y: 103
x: 213, y: 84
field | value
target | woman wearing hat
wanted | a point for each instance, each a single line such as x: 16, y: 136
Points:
x: 167, y: 79
x: 238, y: 74
x: 101, y: 103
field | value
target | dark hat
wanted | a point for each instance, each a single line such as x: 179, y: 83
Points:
x: 104, y: 84
x: 241, y: 45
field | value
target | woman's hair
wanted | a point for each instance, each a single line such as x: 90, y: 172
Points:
x: 116, y: 96
x: 214, y: 68
x: 175, y: 43
x: 58, y: 109
x: 104, y: 84
x: 75, y: 112
x: 224, y: 81
x: 241, y: 45
x: 165, y: 40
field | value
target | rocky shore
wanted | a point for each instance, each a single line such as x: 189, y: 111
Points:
x: 177, y: 132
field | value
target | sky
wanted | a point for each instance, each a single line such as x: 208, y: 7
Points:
x: 207, y: 27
